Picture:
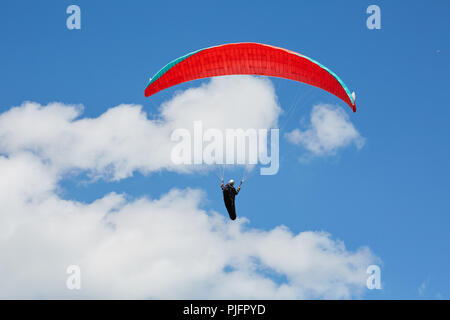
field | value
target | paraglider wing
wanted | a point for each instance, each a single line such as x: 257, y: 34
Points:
x: 251, y: 59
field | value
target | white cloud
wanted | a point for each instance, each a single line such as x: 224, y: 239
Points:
x: 169, y: 247
x: 156, y: 248
x: 330, y: 129
x: 225, y: 102
x: 123, y: 139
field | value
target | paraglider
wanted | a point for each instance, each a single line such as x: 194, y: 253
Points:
x: 251, y: 59
x: 229, y: 194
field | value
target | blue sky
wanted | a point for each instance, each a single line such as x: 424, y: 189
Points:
x: 392, y: 195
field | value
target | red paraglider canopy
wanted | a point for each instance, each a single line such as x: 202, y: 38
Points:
x: 251, y: 59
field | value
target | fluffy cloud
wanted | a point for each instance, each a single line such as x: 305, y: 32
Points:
x: 123, y: 139
x: 170, y: 247
x: 330, y: 129
x: 156, y: 248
